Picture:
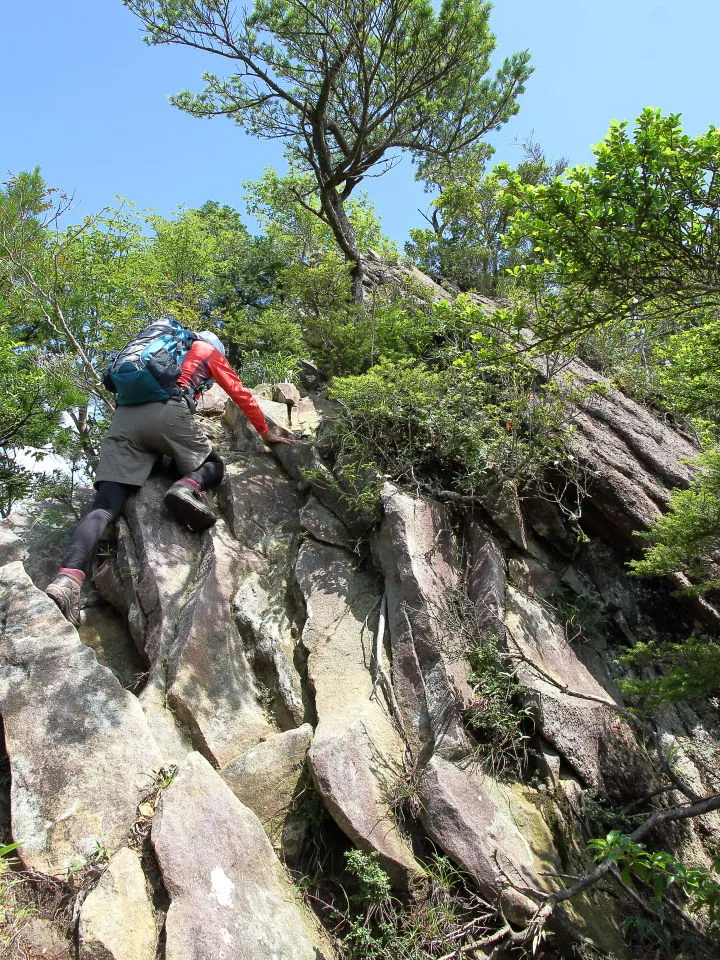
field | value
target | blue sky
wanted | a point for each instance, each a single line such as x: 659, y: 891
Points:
x: 85, y: 99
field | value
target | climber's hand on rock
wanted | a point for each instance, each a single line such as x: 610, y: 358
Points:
x: 273, y: 435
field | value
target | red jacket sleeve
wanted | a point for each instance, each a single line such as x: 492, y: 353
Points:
x: 240, y: 395
x: 204, y: 361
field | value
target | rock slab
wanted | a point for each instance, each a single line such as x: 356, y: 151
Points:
x: 81, y: 753
x: 230, y: 898
x: 116, y: 919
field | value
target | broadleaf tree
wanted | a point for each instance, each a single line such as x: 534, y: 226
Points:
x: 347, y: 84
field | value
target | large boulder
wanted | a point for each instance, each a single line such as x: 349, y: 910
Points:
x: 634, y: 457
x: 116, y: 918
x: 261, y: 506
x: 229, y: 896
x: 209, y: 681
x: 267, y: 778
x: 179, y: 588
x: 417, y: 553
x: 81, y: 753
x: 590, y: 735
x: 491, y: 830
x: 356, y: 755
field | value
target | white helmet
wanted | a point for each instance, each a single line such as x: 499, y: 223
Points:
x: 209, y: 337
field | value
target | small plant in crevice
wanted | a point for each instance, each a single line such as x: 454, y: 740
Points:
x: 499, y: 716
x: 371, y: 922
x: 581, y: 617
x: 600, y: 815
x: 403, y: 797
x: 13, y: 910
x: 146, y: 808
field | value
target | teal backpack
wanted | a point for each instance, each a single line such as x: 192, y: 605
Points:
x: 147, y: 368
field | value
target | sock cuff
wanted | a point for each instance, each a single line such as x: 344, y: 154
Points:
x: 73, y: 572
x: 192, y: 483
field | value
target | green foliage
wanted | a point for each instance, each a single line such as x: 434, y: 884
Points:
x: 467, y: 239
x: 661, y: 873
x: 632, y: 237
x: 499, y: 717
x: 601, y: 815
x: 468, y: 424
x: 580, y: 615
x: 373, y: 882
x: 687, y: 537
x: 376, y: 925
x: 14, y: 908
x: 688, y: 669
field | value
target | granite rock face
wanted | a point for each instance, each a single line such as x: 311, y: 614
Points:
x: 419, y: 559
x: 308, y: 647
x: 81, y: 752
x: 229, y: 896
x: 356, y: 752
x: 116, y: 919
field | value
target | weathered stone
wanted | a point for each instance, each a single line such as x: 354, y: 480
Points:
x: 116, y: 918
x: 182, y: 586
x: 12, y: 548
x: 418, y: 557
x: 158, y: 560
x: 323, y: 525
x: 532, y: 577
x: 503, y: 507
x: 212, y: 402
x: 486, y: 579
x: 210, y: 684
x: 634, y: 457
x: 106, y: 632
x: 592, y: 737
x: 37, y: 939
x: 356, y: 753
x: 286, y: 393
x: 173, y: 737
x: 261, y: 506
x: 266, y: 778
x: 491, y: 830
x: 80, y: 750
x: 304, y: 420
x: 548, y: 521
x: 230, y: 897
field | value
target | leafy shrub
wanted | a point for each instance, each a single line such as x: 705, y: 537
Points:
x: 691, y: 669
x: 372, y: 880
x: 499, y: 716
x: 455, y: 428
x: 660, y: 873
x: 374, y: 924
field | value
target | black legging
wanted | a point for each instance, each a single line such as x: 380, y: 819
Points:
x: 108, y: 503
x: 210, y: 472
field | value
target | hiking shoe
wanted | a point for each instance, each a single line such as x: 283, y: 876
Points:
x: 190, y: 506
x: 65, y: 591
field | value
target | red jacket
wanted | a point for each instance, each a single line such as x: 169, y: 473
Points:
x: 202, y: 362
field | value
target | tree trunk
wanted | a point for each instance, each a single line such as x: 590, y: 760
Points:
x: 334, y: 209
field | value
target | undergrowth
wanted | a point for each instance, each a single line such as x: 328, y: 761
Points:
x: 369, y: 922
x: 499, y: 716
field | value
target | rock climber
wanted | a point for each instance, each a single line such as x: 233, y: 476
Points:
x: 138, y: 435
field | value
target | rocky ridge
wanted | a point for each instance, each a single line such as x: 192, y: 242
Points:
x: 217, y: 675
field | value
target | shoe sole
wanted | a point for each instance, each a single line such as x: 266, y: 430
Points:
x: 189, y: 511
